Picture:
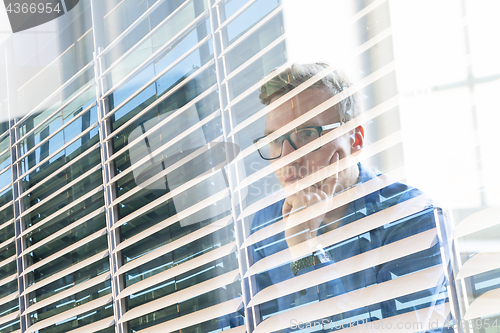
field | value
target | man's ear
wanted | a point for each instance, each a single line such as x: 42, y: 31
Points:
x: 357, y: 139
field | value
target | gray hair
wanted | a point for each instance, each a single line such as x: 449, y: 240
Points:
x: 297, y: 74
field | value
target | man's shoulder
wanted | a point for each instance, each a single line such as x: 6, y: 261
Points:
x: 395, y: 192
x: 413, y: 213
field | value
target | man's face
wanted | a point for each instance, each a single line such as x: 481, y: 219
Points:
x: 320, y: 158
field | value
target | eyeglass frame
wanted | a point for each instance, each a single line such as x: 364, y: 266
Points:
x: 286, y: 137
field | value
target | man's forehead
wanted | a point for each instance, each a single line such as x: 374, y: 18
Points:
x: 297, y: 106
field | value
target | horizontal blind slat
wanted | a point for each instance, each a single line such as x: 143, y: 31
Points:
x: 485, y: 305
x: 60, y: 190
x: 9, y: 298
x: 348, y: 266
x: 163, y: 122
x: 404, y: 285
x: 180, y: 215
x: 178, y: 270
x: 174, y: 166
x: 478, y: 221
x: 325, y: 206
x: 65, y: 272
x: 64, y: 251
x: 8, y: 279
x: 8, y: 260
x: 9, y: 317
x: 197, y: 317
x: 185, y: 240
x: 181, y: 296
x: 390, y: 325
x: 480, y: 263
x: 63, y: 231
x: 322, y: 174
x: 72, y: 204
x: 61, y: 169
x: 101, y: 301
x: 368, y: 115
x: 57, y: 91
x: 71, y: 291
x: 97, y: 326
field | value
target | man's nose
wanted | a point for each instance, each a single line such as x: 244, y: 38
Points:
x: 287, y: 148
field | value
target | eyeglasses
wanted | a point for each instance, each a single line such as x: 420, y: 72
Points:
x: 297, y: 138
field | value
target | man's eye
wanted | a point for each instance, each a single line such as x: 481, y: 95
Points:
x: 308, y: 132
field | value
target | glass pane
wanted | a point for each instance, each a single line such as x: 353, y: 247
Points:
x: 41, y: 133
x: 6, y: 215
x: 181, y: 97
x: 5, y: 196
x: 215, y: 325
x: 74, y: 151
x: 67, y: 239
x: 162, y: 160
x: 4, y: 160
x: 61, y: 179
x: 147, y: 47
x: 11, y: 326
x: 5, y: 178
x: 178, y: 256
x: 4, y: 126
x: 43, y: 83
x: 67, y: 260
x: 81, y: 320
x: 130, y: 87
x: 7, y: 231
x: 4, y: 143
x: 64, y: 199
x: 63, y: 137
x: 231, y: 6
x: 71, y: 302
x: 261, y: 38
x: 79, y: 104
x: 97, y: 268
x: 78, y: 212
x: 154, y: 318
x: 36, y: 119
x: 251, y: 16
x: 189, y: 40
x: 83, y: 100
x: 8, y: 270
x: 194, y: 304
x: 163, y: 11
x: 260, y: 68
x: 185, y: 68
x: 118, y: 16
x: 193, y: 168
x: 178, y: 22
x: 8, y: 288
x: 9, y: 307
x: 7, y: 251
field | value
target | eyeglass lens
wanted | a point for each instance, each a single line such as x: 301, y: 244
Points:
x: 299, y: 138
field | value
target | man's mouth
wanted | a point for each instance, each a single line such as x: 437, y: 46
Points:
x: 292, y: 179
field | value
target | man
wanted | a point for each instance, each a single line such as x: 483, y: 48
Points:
x: 316, y: 207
